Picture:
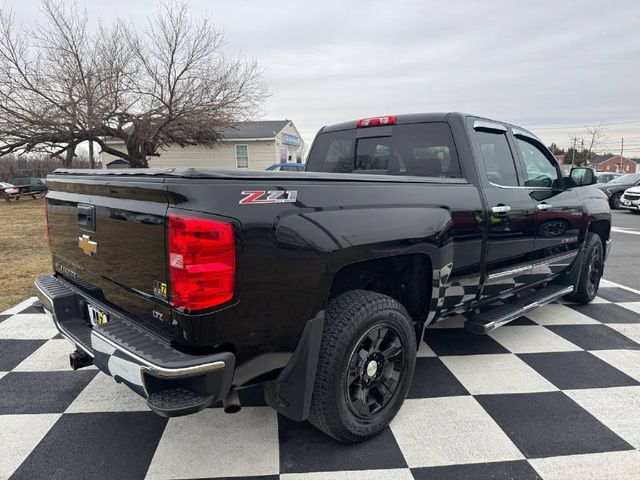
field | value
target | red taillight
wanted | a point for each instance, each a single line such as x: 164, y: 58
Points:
x: 202, y: 262
x: 377, y: 121
x: 46, y: 219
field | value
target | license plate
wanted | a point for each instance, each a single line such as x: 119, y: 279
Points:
x: 97, y: 316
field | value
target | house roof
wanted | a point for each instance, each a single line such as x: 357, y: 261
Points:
x: 257, y: 129
x: 615, y: 158
x: 601, y: 158
x: 244, y: 130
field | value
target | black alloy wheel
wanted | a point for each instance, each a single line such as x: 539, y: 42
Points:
x: 374, y: 371
x: 591, y: 270
x: 365, y: 366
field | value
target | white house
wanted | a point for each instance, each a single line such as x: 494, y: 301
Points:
x: 254, y: 145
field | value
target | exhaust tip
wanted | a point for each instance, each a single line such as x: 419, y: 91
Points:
x: 231, y: 403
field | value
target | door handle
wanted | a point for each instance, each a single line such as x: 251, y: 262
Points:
x: 544, y: 206
x: 501, y: 209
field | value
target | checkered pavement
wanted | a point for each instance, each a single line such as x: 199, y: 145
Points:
x: 553, y: 395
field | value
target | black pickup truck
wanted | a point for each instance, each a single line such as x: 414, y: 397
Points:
x: 189, y: 285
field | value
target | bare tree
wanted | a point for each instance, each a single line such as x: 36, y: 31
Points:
x: 596, y: 137
x: 63, y: 83
x: 582, y: 146
x: 40, y: 88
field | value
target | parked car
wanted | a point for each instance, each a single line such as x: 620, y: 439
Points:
x: 616, y: 187
x: 286, y: 167
x: 34, y: 184
x: 631, y: 199
x: 604, y: 177
x: 7, y: 187
x: 398, y: 222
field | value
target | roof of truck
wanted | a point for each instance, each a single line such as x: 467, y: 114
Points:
x: 400, y: 119
x: 421, y: 118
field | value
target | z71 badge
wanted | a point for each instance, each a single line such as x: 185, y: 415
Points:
x: 271, y: 196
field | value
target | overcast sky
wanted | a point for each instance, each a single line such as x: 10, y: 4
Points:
x: 552, y: 66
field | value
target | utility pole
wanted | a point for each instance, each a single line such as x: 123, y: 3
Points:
x: 573, y: 152
x: 621, y: 153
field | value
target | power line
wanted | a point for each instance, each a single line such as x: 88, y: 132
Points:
x: 611, y: 150
x: 568, y: 127
x: 613, y: 140
x: 617, y: 145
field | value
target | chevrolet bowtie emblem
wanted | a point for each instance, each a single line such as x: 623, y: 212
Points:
x: 88, y: 246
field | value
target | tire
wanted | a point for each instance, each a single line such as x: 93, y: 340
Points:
x: 614, y: 202
x: 591, y: 271
x: 353, y: 367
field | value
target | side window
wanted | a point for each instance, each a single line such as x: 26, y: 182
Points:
x: 498, y: 160
x: 541, y: 170
x: 339, y: 152
x: 424, y: 150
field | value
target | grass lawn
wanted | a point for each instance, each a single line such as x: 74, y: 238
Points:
x: 24, y: 253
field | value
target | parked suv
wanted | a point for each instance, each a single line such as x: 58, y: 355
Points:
x: 631, y: 199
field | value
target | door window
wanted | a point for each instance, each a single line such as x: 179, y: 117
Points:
x: 541, y: 170
x: 498, y: 160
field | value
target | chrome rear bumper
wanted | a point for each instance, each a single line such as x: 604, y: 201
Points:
x: 131, y: 354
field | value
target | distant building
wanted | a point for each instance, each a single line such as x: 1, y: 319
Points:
x: 561, y: 159
x: 615, y: 164
x: 252, y: 145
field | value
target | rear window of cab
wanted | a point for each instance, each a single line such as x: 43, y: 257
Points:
x: 420, y: 149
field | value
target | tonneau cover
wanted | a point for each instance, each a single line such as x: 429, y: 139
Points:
x: 203, y: 173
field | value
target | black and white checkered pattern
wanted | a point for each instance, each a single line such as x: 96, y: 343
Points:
x: 554, y: 395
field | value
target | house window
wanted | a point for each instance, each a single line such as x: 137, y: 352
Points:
x: 626, y: 168
x: 607, y: 168
x: 242, y: 156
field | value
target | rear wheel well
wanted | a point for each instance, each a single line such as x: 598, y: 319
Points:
x: 406, y: 278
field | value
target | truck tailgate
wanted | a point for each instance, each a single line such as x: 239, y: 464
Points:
x: 108, y: 236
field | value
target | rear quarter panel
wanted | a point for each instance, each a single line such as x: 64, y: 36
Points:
x: 292, y: 251
x: 595, y: 205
